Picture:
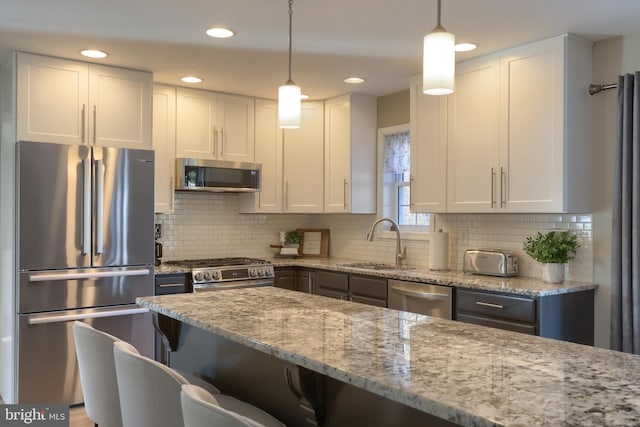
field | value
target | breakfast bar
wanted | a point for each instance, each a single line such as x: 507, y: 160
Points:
x: 457, y: 373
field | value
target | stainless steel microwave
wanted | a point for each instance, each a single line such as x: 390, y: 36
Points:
x: 217, y: 176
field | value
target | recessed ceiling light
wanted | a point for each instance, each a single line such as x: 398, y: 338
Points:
x: 354, y: 80
x: 220, y: 32
x: 191, y: 79
x: 304, y: 96
x: 465, y: 47
x: 93, y: 53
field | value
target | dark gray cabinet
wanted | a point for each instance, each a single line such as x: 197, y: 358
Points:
x: 363, y: 289
x: 332, y: 284
x: 567, y: 317
x: 368, y: 290
x: 295, y: 279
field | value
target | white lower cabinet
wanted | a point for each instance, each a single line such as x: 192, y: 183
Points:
x: 164, y: 146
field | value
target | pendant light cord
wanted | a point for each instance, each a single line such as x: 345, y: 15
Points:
x: 290, y: 25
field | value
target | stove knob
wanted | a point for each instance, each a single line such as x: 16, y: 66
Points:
x: 269, y: 272
x: 253, y: 272
x: 207, y: 276
x: 198, y: 276
x: 259, y: 272
x: 216, y: 275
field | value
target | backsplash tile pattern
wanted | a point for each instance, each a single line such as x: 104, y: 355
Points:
x: 208, y: 225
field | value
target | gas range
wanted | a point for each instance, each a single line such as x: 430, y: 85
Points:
x: 226, y: 273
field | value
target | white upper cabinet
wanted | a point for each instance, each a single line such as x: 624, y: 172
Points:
x: 473, y: 137
x: 70, y: 102
x: 518, y: 135
x: 164, y: 146
x: 350, y: 154
x: 196, y: 133
x: 268, y: 153
x: 215, y: 126
x: 545, y: 151
x: 303, y: 162
x: 235, y: 118
x: 428, y: 150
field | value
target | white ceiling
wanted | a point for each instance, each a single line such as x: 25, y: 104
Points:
x: 380, y: 40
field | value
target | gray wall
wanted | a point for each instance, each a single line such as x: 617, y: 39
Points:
x: 393, y: 109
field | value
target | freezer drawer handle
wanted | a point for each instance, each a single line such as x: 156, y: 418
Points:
x: 38, y: 277
x: 81, y: 316
x: 418, y: 294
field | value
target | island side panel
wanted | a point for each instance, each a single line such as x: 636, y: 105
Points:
x: 260, y: 379
x: 567, y: 317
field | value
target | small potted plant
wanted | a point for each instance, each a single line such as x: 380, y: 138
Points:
x: 553, y: 250
x: 292, y: 238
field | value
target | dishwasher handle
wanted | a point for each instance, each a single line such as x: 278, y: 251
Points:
x: 418, y: 294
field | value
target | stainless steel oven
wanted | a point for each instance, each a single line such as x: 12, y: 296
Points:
x: 421, y: 298
x: 227, y: 273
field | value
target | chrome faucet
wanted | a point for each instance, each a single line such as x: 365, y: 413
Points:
x: 400, y: 253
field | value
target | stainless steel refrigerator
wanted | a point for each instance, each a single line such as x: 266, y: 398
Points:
x: 85, y: 251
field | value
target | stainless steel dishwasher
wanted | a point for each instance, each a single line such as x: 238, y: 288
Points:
x: 421, y: 298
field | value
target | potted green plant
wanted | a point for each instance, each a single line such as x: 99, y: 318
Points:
x: 292, y: 238
x: 553, y: 250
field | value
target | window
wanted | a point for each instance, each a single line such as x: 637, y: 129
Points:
x: 395, y: 169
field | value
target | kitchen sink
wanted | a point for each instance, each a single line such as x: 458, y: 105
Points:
x: 375, y: 266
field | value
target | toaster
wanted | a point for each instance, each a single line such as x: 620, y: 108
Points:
x: 490, y: 262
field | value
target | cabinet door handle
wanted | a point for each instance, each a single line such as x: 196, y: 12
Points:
x: 171, y: 192
x: 503, y: 187
x: 488, y: 304
x: 84, y: 120
x: 222, y: 142
x: 286, y: 195
x: 344, y: 197
x: 95, y: 123
x: 215, y: 142
x: 410, y: 189
x: 493, y: 198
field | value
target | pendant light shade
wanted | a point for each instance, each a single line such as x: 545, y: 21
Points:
x: 289, y: 105
x: 439, y: 61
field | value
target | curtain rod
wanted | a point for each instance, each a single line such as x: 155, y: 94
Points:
x: 593, y: 88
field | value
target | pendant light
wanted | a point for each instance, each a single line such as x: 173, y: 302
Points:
x: 439, y: 60
x: 289, y: 94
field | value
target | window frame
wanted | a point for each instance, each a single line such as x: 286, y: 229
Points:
x: 408, y: 231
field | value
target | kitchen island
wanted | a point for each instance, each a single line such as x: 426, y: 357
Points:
x: 465, y: 374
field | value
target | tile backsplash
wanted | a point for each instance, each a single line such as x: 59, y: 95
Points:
x: 208, y: 225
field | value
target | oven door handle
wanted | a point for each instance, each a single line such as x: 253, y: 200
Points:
x: 198, y: 287
x: 418, y: 294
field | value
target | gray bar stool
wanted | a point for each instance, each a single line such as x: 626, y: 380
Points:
x: 150, y: 393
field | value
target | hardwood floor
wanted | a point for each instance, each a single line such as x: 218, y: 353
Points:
x: 78, y: 417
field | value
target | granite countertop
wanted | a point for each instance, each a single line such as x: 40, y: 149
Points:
x: 525, y: 286
x: 467, y: 374
x: 170, y: 269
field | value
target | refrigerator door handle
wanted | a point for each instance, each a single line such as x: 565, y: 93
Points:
x: 99, y: 205
x: 56, y: 318
x: 86, y: 207
x: 46, y: 277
